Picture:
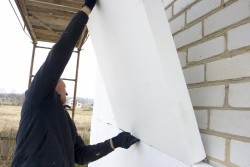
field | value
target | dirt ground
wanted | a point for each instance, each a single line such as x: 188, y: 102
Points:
x: 9, y: 119
x: 10, y: 116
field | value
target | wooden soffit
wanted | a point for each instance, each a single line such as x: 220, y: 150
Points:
x: 45, y: 20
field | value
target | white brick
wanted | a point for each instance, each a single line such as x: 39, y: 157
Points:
x: 239, y: 37
x: 182, y: 58
x: 240, y: 153
x: 215, y: 164
x: 169, y: 13
x: 201, y: 8
x: 208, y: 96
x: 214, y: 146
x: 201, y: 117
x: 190, y: 35
x: 229, y: 68
x: 230, y: 121
x: 194, y: 74
x: 227, y: 16
x: 239, y: 95
x: 166, y: 2
x: 207, y: 49
x: 177, y: 24
x: 201, y: 164
x: 179, y: 5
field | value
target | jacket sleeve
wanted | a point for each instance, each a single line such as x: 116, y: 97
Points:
x: 85, y: 154
x: 49, y: 73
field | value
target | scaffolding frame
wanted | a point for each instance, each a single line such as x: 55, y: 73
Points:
x: 45, y: 20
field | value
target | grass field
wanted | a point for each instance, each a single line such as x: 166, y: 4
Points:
x: 9, y: 121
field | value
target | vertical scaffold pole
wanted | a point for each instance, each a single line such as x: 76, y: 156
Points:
x: 32, y: 62
x: 76, y: 80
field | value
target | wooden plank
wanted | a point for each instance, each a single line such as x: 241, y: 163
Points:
x: 49, y: 36
x: 36, y: 27
x: 36, y: 23
x: 52, y: 39
x: 43, y: 15
x: 76, y: 0
x: 50, y: 11
x: 73, y: 4
x: 46, y: 26
x: 50, y: 21
x: 43, y: 32
x: 47, y: 19
x: 50, y: 6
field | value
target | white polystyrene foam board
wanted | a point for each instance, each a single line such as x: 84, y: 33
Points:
x: 102, y: 108
x: 140, y: 154
x: 143, y: 76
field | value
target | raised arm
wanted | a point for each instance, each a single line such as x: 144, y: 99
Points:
x: 49, y: 73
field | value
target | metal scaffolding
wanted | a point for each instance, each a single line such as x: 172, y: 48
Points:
x: 45, y: 21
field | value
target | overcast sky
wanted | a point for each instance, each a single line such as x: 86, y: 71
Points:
x: 16, y: 52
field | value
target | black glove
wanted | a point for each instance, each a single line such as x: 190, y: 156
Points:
x: 124, y: 140
x: 90, y: 3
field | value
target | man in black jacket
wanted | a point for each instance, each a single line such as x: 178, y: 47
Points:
x: 47, y: 136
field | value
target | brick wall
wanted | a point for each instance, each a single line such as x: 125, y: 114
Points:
x: 213, y: 42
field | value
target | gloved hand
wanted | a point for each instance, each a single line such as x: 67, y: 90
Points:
x: 90, y: 3
x: 124, y: 140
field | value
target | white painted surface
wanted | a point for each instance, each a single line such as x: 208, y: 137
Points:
x: 240, y: 153
x: 212, y: 96
x: 216, y: 164
x: 202, y: 118
x: 140, y: 154
x: 214, y: 146
x: 231, y: 14
x: 169, y: 12
x: 239, y: 37
x: 230, y: 122
x: 194, y: 74
x: 207, y: 49
x: 178, y: 23
x: 183, y: 58
x: 201, y: 8
x: 201, y: 164
x: 189, y: 35
x: 137, y: 58
x: 166, y: 2
x: 222, y: 69
x: 103, y: 111
x: 239, y: 95
x: 179, y: 5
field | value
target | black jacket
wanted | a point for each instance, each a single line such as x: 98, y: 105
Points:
x: 47, y: 136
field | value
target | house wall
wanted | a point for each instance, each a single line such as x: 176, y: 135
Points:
x: 213, y: 42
